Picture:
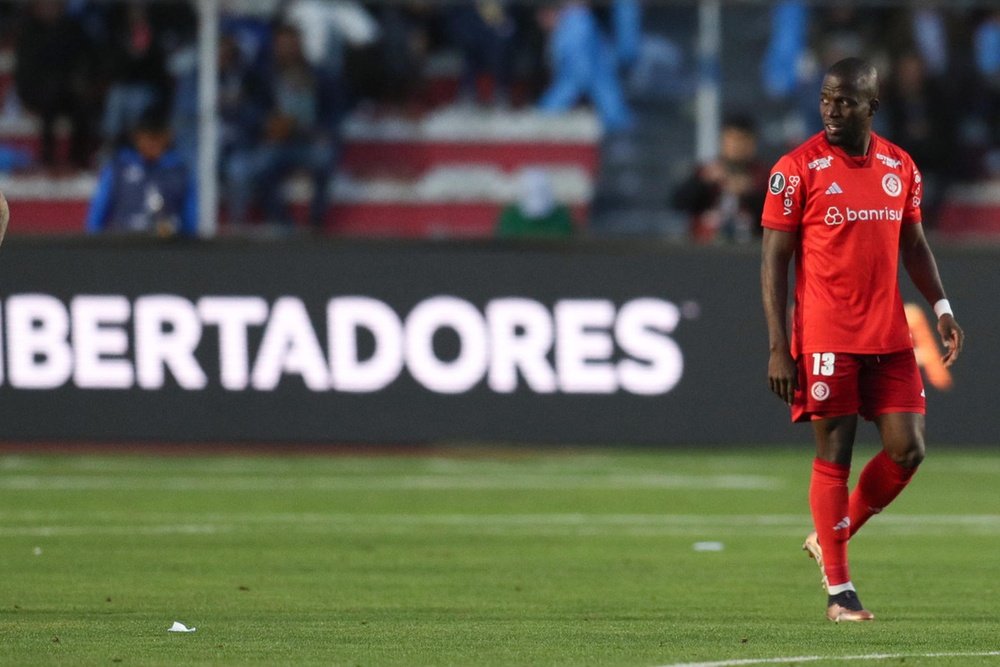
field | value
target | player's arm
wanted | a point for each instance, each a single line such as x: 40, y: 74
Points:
x: 4, y: 216
x: 777, y: 250
x: 918, y: 260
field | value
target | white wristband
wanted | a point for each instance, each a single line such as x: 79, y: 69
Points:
x: 942, y: 307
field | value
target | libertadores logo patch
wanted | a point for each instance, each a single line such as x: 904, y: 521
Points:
x: 777, y: 183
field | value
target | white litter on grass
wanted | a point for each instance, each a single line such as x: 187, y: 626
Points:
x: 708, y: 546
x: 37, y: 551
x: 180, y: 627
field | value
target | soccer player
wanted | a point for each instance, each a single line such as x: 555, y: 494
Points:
x: 846, y: 205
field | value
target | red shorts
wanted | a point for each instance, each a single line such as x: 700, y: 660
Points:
x: 833, y: 384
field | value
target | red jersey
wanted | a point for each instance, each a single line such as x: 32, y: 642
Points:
x: 848, y: 213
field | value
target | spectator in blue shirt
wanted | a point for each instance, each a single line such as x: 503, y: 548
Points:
x: 584, y: 65
x: 295, y: 130
x: 145, y: 188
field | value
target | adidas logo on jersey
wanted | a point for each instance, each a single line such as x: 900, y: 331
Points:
x: 834, y: 189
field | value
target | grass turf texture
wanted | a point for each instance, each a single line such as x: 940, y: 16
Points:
x: 473, y: 557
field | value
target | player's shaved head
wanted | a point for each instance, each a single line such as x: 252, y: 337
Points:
x: 848, y: 101
x: 858, y: 72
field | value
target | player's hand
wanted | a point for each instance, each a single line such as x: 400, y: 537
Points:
x: 952, y: 336
x: 4, y: 216
x: 782, y: 375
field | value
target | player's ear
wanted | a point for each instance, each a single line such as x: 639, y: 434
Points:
x: 873, y: 105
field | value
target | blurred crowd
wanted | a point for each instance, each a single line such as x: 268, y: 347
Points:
x: 99, y: 65
x: 290, y: 71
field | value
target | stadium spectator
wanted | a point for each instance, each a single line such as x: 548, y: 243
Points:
x: 918, y: 121
x: 850, y: 351
x: 394, y: 74
x: 330, y: 30
x: 986, y: 52
x: 249, y: 23
x: 725, y: 197
x: 484, y: 32
x: 536, y: 213
x: 786, y: 49
x: 238, y: 112
x: 626, y: 30
x: 294, y: 129
x: 583, y: 64
x: 55, y: 75
x: 13, y: 158
x: 145, y: 188
x: 136, y: 68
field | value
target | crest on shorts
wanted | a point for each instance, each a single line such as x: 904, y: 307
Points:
x: 820, y: 391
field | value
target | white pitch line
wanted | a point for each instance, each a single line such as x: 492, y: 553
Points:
x: 815, y: 658
x: 391, y: 483
x: 33, y: 523
x: 728, y: 521
x: 87, y: 531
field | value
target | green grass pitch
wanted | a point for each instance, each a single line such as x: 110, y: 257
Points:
x: 473, y: 556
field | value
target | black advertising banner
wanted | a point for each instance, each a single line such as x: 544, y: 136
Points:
x: 376, y: 342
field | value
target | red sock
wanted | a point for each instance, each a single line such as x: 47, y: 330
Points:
x: 828, y: 501
x: 881, y: 480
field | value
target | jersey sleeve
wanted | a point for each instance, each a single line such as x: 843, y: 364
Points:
x: 911, y: 208
x: 784, y: 203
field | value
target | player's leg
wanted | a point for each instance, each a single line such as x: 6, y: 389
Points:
x: 828, y: 499
x: 828, y: 493
x: 892, y: 396
x: 888, y: 473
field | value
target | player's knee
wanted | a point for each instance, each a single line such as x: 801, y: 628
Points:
x: 910, y: 456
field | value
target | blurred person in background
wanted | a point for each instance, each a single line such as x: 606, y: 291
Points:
x: 536, y: 213
x: 345, y: 40
x: 294, y: 129
x: 236, y: 106
x: 249, y: 23
x: 626, y: 31
x: 402, y: 50
x: 986, y: 55
x: 583, y: 65
x: 725, y: 197
x: 136, y: 68
x: 145, y: 188
x: 917, y: 120
x: 56, y: 77
x: 484, y: 32
x: 786, y: 48
x: 331, y: 30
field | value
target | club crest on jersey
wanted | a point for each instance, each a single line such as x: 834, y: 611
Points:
x: 821, y: 163
x: 820, y: 391
x: 888, y: 161
x: 892, y: 185
x: 777, y: 183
